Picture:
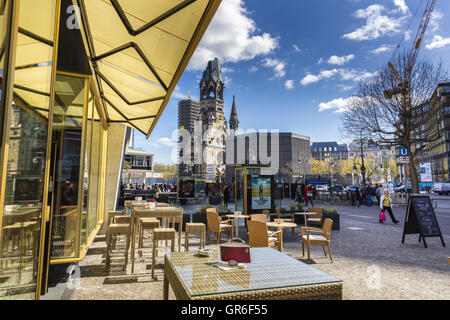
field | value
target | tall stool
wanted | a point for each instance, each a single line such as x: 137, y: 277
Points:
x: 114, y: 230
x: 195, y: 228
x: 111, y: 216
x: 160, y: 234
x: 146, y: 224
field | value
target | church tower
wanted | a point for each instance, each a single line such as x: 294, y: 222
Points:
x: 234, y: 122
x: 214, y: 123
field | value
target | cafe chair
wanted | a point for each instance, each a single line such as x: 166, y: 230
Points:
x: 321, y: 237
x: 259, y: 237
x: 315, y: 219
x: 215, y: 224
x: 258, y: 217
x: 287, y: 217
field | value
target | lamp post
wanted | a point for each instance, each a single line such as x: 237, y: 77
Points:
x: 303, y: 171
x: 363, y: 168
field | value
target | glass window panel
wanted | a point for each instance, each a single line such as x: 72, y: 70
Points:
x: 27, y: 141
x: 66, y: 150
x: 94, y: 175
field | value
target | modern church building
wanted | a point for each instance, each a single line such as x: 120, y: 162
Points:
x: 73, y: 75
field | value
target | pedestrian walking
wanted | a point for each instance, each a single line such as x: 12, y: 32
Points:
x: 385, y: 205
x: 308, y: 195
x: 226, y: 195
x: 299, y: 194
x: 357, y: 197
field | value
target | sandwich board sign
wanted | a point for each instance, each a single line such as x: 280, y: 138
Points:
x: 420, y: 219
x: 404, y: 155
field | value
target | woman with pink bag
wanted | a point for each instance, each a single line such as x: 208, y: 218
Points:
x: 385, y: 204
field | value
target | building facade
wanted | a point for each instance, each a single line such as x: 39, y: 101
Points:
x: 291, y: 153
x: 434, y: 119
x: 329, y: 150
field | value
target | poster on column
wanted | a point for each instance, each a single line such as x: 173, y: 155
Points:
x: 425, y: 172
x: 261, y: 193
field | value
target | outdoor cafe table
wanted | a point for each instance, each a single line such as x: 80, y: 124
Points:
x: 270, y: 275
x: 281, y: 226
x: 236, y: 218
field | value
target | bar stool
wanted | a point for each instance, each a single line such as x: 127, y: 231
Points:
x: 111, y: 216
x: 113, y: 231
x: 199, y: 228
x: 146, y: 224
x: 160, y: 234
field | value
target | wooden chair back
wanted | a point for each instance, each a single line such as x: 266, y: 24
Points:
x: 212, y: 220
x: 257, y: 234
x: 258, y: 217
x: 326, y: 229
x: 315, y: 209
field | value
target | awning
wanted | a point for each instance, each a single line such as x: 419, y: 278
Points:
x: 138, y: 50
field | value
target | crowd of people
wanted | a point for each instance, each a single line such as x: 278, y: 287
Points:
x: 157, y: 187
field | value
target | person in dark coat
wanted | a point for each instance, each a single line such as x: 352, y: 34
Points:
x: 226, y: 195
x: 358, y: 197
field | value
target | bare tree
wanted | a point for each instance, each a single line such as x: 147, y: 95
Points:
x: 391, y: 118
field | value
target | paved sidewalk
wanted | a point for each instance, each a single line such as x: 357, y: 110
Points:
x: 368, y: 257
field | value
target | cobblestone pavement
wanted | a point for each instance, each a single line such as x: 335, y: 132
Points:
x: 369, y: 257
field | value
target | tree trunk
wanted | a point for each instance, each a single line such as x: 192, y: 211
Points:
x: 414, y: 174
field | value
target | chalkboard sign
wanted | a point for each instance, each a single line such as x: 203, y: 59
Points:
x: 420, y: 219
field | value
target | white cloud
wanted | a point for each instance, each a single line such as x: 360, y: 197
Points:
x: 338, y: 105
x: 377, y: 24
x: 344, y: 74
x: 438, y: 42
x: 289, y: 84
x: 167, y: 142
x: 381, y: 49
x: 434, y: 23
x: 179, y: 94
x: 232, y: 37
x: 277, y: 66
x: 338, y: 61
x: 310, y: 78
x: 296, y: 48
x: 253, y: 69
x: 402, y: 6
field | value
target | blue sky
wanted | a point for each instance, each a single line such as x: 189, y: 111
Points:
x: 291, y: 63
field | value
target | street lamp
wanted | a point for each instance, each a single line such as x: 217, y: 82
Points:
x: 303, y: 171
x: 363, y: 168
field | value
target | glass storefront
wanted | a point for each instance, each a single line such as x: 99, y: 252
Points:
x: 52, y: 172
x: 24, y: 145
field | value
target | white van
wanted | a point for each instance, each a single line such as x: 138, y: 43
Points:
x: 442, y: 188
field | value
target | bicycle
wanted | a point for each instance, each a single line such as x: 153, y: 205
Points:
x: 335, y: 199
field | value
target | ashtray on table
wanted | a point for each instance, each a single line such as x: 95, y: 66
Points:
x: 205, y: 252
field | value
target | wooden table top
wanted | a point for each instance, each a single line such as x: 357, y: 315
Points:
x: 237, y: 216
x: 281, y: 225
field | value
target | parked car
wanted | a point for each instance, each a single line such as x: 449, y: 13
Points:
x: 352, y: 188
x: 337, y: 187
x: 442, y: 188
x: 321, y: 188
